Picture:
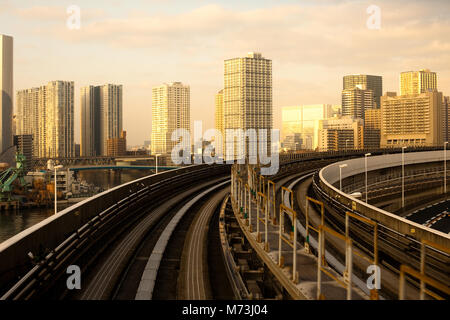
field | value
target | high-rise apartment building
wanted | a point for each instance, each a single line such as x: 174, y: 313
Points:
x: 101, y: 117
x: 247, y: 98
x: 47, y: 113
x: 417, y: 82
x: 170, y: 111
x: 6, y: 92
x: 59, y: 119
x: 300, y: 124
x: 412, y: 120
x: 90, y: 121
x: 356, y: 100
x: 110, y: 114
x: 374, y: 83
x: 27, y: 121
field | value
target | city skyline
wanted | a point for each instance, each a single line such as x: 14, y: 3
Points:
x: 308, y: 74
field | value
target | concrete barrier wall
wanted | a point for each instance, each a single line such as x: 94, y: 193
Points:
x: 330, y: 175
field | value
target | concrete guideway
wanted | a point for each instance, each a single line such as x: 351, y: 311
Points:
x: 193, y: 278
x: 103, y: 280
x: 148, y: 279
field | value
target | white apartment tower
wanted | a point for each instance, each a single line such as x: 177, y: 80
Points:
x: 47, y: 113
x: 59, y: 119
x: 170, y: 111
x: 111, y: 123
x: 6, y: 91
x: 247, y: 97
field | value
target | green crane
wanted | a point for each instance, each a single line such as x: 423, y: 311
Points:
x: 10, y: 175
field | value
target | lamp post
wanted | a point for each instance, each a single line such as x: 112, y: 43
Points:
x: 346, y: 140
x: 445, y: 167
x: 365, y: 161
x: 403, y: 177
x: 51, y: 166
x: 156, y: 157
x: 340, y: 175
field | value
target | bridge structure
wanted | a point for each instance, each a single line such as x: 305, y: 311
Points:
x: 226, y: 232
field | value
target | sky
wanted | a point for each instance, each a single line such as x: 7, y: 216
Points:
x: 144, y: 43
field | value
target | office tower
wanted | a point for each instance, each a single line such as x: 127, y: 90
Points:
x: 24, y: 145
x: 300, y: 124
x: 77, y: 150
x: 117, y: 146
x: 356, y: 100
x: 47, y: 114
x: 59, y: 119
x: 446, y: 118
x: 90, y: 121
x: 416, y: 82
x: 247, y: 97
x: 170, y: 111
x: 27, y: 121
x: 374, y: 83
x: 345, y: 133
x: 6, y: 92
x: 101, y: 117
x: 412, y: 120
x: 110, y: 97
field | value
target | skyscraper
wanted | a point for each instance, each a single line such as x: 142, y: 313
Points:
x: 101, y: 117
x: 355, y: 101
x: 417, y: 82
x: 111, y: 121
x: 170, y: 111
x: 374, y: 83
x: 90, y: 121
x: 27, y: 121
x: 247, y: 97
x: 47, y: 113
x: 6, y: 92
x: 59, y: 119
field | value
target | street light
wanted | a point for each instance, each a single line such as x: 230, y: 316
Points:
x: 346, y: 140
x: 156, y: 157
x: 365, y: 160
x: 445, y: 167
x: 51, y: 166
x: 340, y: 175
x: 403, y: 177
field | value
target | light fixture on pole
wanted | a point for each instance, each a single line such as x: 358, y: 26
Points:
x: 365, y: 162
x: 403, y: 177
x: 340, y: 175
x: 445, y: 167
x: 51, y: 166
x: 346, y: 140
x: 156, y: 157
